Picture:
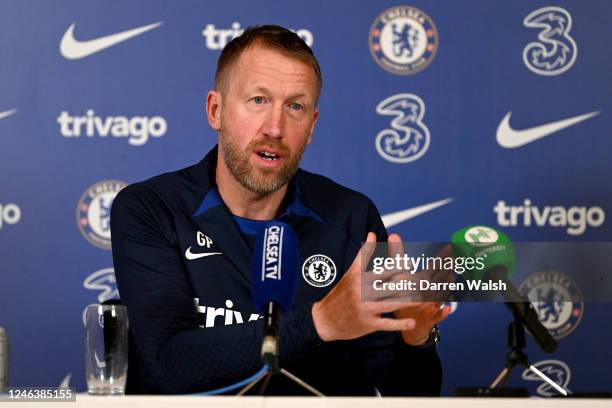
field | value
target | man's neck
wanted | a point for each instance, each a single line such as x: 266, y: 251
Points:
x: 245, y: 203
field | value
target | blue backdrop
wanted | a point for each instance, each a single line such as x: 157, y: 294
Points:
x: 454, y: 112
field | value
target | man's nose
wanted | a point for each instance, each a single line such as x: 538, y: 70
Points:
x: 274, y: 122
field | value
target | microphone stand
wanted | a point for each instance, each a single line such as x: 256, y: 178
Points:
x: 271, y: 357
x: 266, y: 377
x: 516, y: 356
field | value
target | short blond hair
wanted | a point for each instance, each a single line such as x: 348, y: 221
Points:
x: 275, y: 37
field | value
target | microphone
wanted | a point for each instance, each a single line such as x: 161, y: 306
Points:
x: 499, y: 260
x: 274, y: 281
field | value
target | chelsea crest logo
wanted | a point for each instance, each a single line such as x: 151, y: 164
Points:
x: 319, y: 270
x: 557, y: 300
x: 93, y: 212
x: 403, y: 40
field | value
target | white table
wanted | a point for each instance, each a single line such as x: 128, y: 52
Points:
x: 87, y: 401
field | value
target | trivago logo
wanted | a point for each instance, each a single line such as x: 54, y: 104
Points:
x: 136, y: 129
x: 574, y: 219
x: 9, y: 214
x: 207, y: 315
x: 217, y: 38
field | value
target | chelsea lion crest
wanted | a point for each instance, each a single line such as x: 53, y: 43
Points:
x: 93, y: 212
x: 319, y: 270
x: 557, y: 300
x: 403, y: 40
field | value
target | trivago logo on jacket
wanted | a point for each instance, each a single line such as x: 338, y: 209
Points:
x: 209, y: 316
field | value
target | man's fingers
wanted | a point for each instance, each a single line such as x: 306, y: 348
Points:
x: 367, y: 250
x: 445, y: 251
x: 395, y: 245
x: 364, y: 254
x: 390, y: 324
x: 444, y: 312
x: 369, y: 247
x: 381, y: 307
x: 435, y: 313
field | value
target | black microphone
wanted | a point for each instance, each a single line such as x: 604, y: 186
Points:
x: 523, y: 310
x: 499, y: 264
x: 274, y: 272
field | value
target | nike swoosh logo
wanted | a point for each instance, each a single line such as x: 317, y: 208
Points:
x: 510, y: 138
x: 191, y: 256
x: 400, y: 216
x: 71, y: 48
x: 7, y: 113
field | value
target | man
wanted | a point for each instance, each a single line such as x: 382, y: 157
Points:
x: 182, y: 245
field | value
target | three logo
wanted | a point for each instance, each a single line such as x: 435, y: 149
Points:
x: 408, y: 137
x: 556, y: 50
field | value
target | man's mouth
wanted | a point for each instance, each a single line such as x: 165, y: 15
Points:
x: 268, y: 156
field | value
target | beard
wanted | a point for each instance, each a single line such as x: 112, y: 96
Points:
x: 255, y: 179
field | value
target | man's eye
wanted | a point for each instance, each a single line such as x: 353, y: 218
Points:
x: 259, y: 100
x: 296, y: 106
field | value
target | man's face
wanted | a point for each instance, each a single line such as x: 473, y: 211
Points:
x: 266, y: 118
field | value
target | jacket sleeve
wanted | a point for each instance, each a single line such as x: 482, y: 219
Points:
x: 176, y: 356
x: 398, y: 369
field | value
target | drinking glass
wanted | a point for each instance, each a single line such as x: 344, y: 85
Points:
x: 106, y: 340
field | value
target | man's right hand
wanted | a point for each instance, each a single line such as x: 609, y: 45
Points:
x: 342, y: 315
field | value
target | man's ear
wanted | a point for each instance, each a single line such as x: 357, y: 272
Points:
x: 312, y: 127
x: 213, y: 109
